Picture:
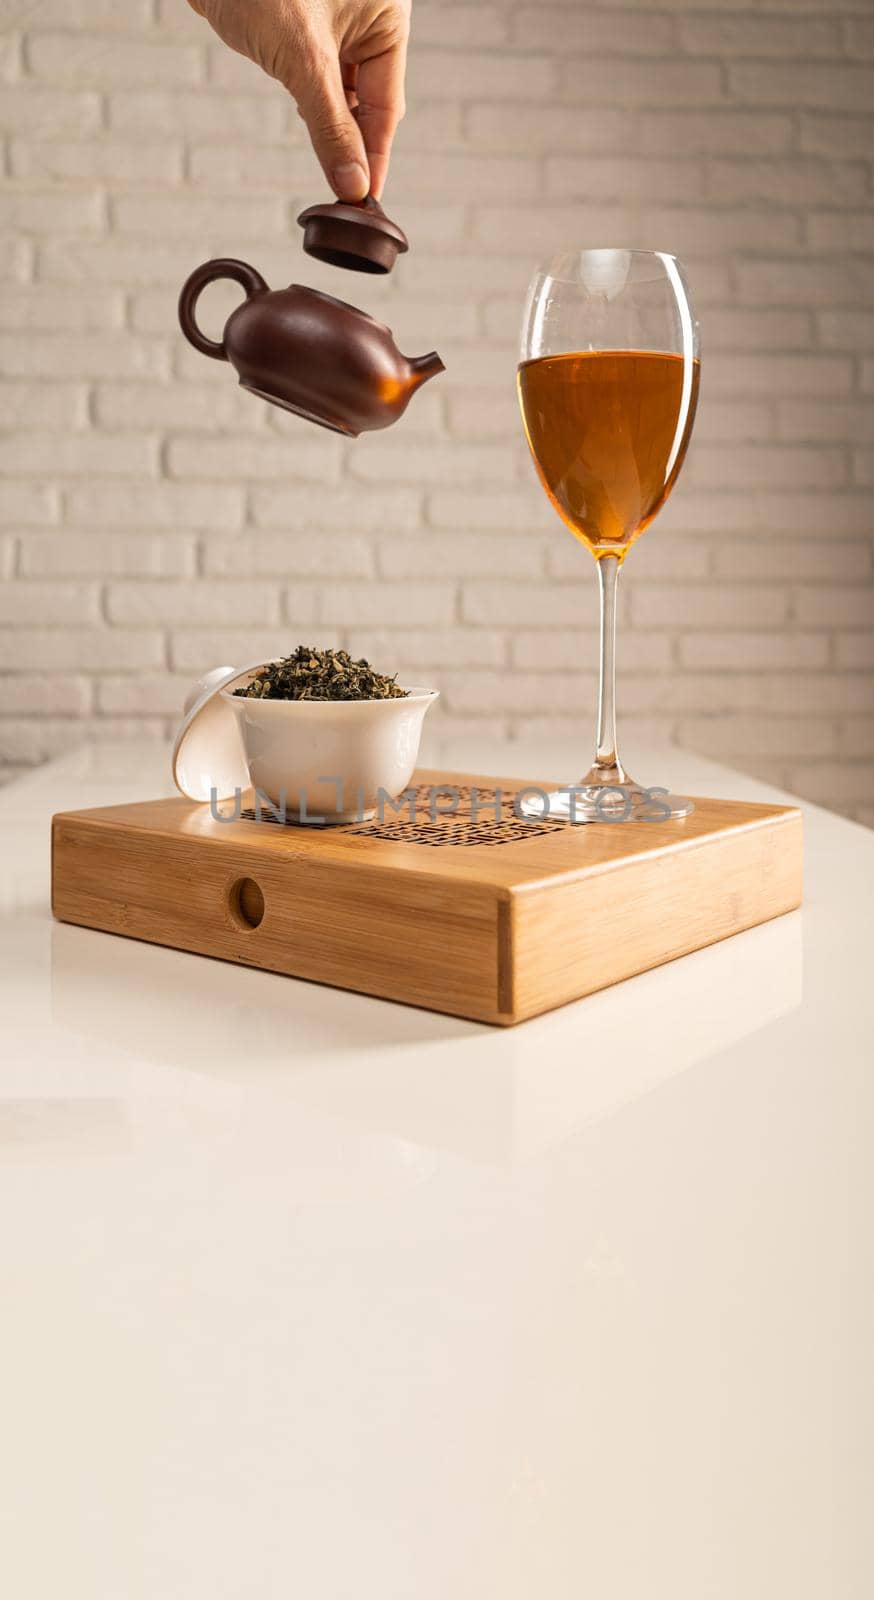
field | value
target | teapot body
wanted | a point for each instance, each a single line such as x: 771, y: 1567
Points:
x: 319, y: 357
x: 309, y: 352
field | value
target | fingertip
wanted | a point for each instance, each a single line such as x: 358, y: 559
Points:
x: 350, y: 181
x: 378, y: 173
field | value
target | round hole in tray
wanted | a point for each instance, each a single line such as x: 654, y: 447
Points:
x: 246, y: 903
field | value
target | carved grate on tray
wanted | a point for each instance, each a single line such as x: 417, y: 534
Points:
x: 456, y: 831
x: 451, y: 829
x: 484, y: 801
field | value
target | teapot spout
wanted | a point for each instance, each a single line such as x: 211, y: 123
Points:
x: 424, y: 367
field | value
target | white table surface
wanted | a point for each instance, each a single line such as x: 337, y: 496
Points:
x: 306, y: 1294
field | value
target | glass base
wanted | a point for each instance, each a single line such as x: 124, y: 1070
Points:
x: 609, y: 795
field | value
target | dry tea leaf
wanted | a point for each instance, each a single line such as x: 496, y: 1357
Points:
x: 320, y: 675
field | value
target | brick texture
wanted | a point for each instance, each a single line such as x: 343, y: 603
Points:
x: 155, y: 520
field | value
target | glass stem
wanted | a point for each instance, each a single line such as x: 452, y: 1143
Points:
x: 606, y: 754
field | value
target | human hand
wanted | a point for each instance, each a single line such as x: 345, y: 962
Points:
x: 342, y: 61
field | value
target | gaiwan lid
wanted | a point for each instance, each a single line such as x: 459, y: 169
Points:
x: 357, y: 235
x: 208, y: 754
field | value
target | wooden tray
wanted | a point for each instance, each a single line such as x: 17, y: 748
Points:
x: 490, y: 919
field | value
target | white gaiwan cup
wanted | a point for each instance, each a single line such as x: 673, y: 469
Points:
x: 330, y: 760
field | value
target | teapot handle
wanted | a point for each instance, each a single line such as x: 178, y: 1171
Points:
x: 240, y: 272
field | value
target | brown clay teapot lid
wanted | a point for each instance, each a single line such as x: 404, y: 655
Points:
x: 357, y: 235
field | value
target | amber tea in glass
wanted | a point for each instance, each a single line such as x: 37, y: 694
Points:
x: 602, y: 426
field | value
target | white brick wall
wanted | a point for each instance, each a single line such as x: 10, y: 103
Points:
x: 154, y: 520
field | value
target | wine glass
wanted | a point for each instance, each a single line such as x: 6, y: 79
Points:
x: 608, y: 385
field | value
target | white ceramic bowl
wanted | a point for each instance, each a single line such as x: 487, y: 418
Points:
x: 331, y: 759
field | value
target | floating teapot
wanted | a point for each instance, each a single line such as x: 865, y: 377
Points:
x: 307, y: 351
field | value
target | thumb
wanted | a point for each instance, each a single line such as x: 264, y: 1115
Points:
x: 333, y: 130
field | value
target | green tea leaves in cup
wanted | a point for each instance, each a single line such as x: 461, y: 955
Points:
x: 310, y: 674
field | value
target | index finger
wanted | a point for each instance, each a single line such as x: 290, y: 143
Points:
x: 380, y: 108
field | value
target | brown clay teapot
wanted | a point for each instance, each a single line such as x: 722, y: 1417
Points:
x: 308, y: 352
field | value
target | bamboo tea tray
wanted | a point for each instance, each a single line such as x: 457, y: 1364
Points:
x: 496, y: 920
